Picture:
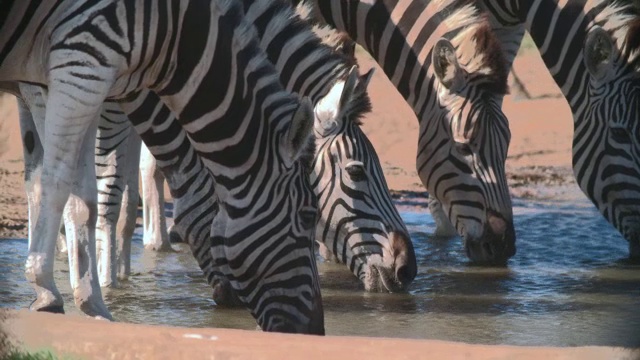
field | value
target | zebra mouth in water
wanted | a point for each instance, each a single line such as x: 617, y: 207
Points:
x: 379, y: 278
x: 491, y: 249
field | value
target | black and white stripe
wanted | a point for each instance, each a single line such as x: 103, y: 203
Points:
x: 247, y: 131
x: 445, y: 61
x: 592, y: 50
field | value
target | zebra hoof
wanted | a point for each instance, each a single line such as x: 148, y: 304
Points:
x: 55, y: 309
x: 174, y: 237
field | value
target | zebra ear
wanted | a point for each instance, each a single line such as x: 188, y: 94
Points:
x: 445, y: 65
x: 598, y: 52
x: 347, y: 47
x: 330, y: 109
x: 297, y: 139
x: 349, y: 87
x: 365, y: 79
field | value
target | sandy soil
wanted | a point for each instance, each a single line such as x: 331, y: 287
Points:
x: 538, y: 166
x: 83, y: 337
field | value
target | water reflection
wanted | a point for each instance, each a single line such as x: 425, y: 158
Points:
x: 569, y: 284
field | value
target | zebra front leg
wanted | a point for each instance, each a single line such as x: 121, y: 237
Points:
x: 444, y: 228
x: 110, y: 186
x: 117, y: 156
x: 70, y: 112
x: 155, y: 224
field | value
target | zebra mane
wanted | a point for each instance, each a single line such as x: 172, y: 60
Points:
x: 621, y: 20
x: 477, y: 47
x: 633, y: 43
x: 360, y: 103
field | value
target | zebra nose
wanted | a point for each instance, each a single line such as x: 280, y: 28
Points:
x: 405, y: 258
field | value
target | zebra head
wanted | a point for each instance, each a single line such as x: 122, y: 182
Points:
x: 606, y: 149
x: 357, y: 222
x: 265, y: 248
x: 465, y: 172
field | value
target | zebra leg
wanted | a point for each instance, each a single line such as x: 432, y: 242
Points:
x: 30, y: 109
x: 80, y: 224
x: 155, y: 224
x: 110, y: 186
x: 32, y: 153
x: 71, y: 111
x: 117, y: 153
x: 129, y: 209
x: 444, y: 228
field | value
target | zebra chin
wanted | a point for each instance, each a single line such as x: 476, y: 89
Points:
x: 496, y: 245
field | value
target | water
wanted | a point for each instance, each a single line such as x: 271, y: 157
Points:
x: 569, y: 284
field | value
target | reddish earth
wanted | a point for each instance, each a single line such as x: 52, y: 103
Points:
x: 81, y: 337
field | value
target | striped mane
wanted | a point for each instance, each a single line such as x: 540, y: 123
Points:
x: 633, y: 43
x: 360, y: 103
x: 479, y: 50
x: 622, y: 21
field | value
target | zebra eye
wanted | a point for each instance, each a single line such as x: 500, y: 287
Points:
x: 308, y: 217
x: 356, y: 171
x: 620, y: 135
x: 464, y: 149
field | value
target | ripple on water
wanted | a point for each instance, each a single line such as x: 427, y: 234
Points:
x: 567, y: 285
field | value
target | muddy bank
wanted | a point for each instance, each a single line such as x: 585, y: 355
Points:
x: 94, y: 339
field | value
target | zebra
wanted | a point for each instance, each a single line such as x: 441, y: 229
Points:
x: 251, y: 135
x: 357, y: 222
x: 464, y: 135
x: 371, y: 237
x: 592, y: 50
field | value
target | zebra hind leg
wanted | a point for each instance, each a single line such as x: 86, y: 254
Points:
x: 70, y: 113
x: 32, y: 154
x: 80, y: 222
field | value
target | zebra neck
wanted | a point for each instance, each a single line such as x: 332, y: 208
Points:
x: 306, y: 65
x: 399, y: 36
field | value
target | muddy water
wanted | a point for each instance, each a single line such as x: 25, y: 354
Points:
x: 569, y: 284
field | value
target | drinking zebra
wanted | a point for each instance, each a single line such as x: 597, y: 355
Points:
x: 250, y: 134
x: 456, y: 92
x: 592, y: 50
